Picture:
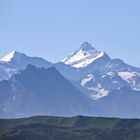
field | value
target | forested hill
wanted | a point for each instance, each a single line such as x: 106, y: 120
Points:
x: 74, y: 128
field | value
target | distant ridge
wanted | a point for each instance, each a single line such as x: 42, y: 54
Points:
x: 76, y: 128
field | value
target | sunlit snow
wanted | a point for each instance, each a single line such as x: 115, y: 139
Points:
x: 126, y: 75
x: 83, y: 57
x: 8, y: 57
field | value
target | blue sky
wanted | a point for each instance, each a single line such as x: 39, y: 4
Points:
x: 54, y: 28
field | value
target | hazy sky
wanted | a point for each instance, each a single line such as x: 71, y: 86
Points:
x: 54, y: 28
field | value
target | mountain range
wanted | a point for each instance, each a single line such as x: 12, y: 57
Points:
x: 87, y: 82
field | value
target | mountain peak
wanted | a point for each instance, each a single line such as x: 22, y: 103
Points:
x: 20, y: 61
x: 12, y: 55
x: 83, y: 56
x: 9, y: 56
x: 86, y: 46
x: 87, y: 49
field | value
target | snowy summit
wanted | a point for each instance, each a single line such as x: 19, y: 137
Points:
x: 8, y: 57
x: 83, y: 57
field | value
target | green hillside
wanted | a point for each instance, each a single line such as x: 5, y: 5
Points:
x: 74, y: 128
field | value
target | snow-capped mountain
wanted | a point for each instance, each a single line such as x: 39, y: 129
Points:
x: 83, y: 57
x: 20, y: 61
x: 15, y: 61
x: 98, y: 74
x: 84, y: 61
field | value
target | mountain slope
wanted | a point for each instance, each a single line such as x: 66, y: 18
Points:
x: 101, y: 84
x: 38, y: 91
x: 123, y: 103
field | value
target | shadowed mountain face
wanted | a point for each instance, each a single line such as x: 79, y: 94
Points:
x: 42, y: 91
x: 74, y: 128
